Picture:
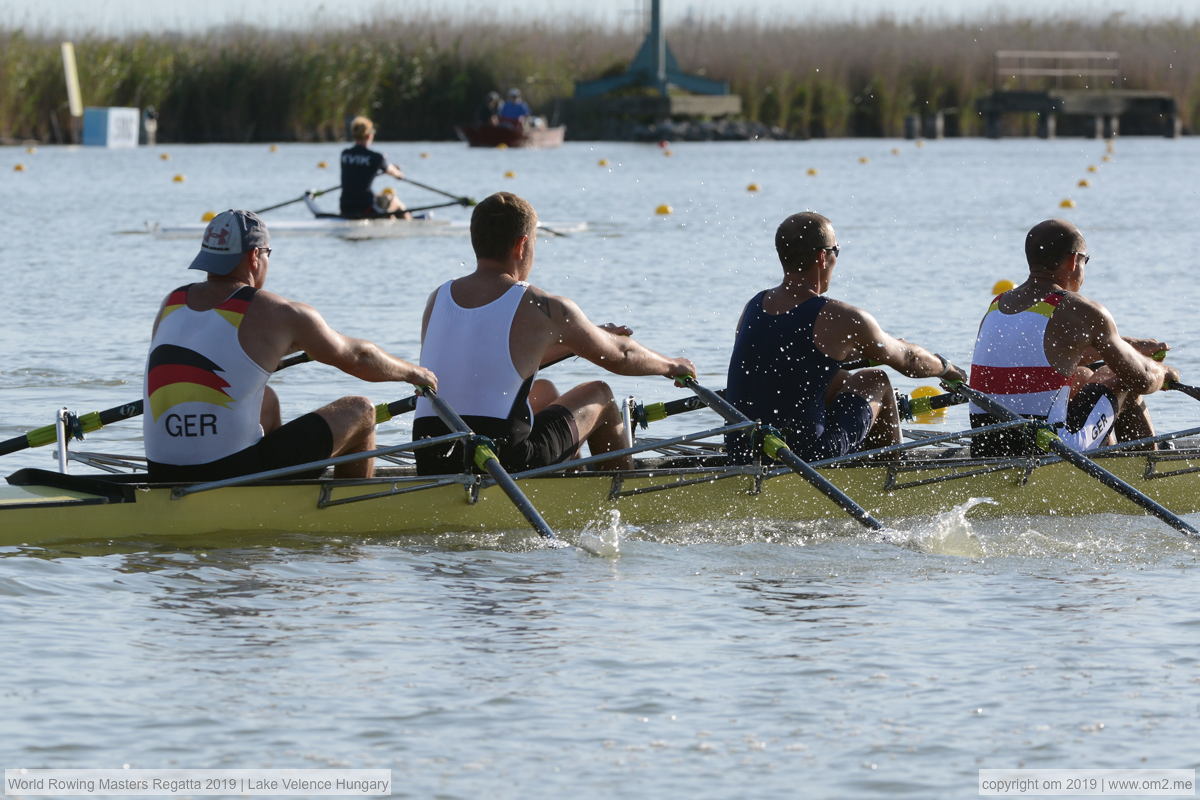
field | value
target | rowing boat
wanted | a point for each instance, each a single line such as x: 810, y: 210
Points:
x: 681, y: 480
x: 353, y: 229
x: 510, y: 135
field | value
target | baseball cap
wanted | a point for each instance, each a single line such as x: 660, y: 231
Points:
x: 230, y: 234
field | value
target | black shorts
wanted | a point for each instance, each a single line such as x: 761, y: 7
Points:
x: 304, y: 439
x: 847, y: 421
x: 553, y: 438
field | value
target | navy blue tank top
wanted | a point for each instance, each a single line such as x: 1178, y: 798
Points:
x: 359, y: 168
x: 776, y: 373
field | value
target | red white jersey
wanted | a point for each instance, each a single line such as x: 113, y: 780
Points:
x: 1010, y: 359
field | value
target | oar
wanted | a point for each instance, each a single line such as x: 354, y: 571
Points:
x: 485, y: 458
x: 1191, y: 391
x: 1048, y: 440
x: 909, y: 406
x: 94, y: 421
x: 298, y: 199
x: 775, y: 447
x: 548, y: 229
x: 466, y: 201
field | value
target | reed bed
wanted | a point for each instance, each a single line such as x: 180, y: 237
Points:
x: 418, y: 78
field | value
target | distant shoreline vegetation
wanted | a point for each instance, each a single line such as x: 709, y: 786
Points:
x: 418, y: 79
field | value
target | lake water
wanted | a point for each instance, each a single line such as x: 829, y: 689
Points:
x: 708, y: 661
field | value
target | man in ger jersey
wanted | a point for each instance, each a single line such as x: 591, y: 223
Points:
x: 1033, y: 347
x: 486, y: 334
x: 209, y: 413
x: 360, y: 165
x: 786, y: 366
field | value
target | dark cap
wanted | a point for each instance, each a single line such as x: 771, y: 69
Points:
x: 230, y: 235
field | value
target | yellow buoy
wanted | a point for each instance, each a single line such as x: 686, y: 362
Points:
x: 164, y: 156
x: 919, y: 142
x: 1067, y: 203
x: 863, y: 160
x: 752, y: 187
x: 1107, y: 158
x: 664, y: 209
x: 207, y: 216
x: 178, y: 179
x: 31, y: 150
x: 602, y: 162
x: 932, y: 416
x: 667, y: 152
x: 1003, y: 285
x: 322, y: 165
x: 510, y: 174
x: 502, y: 146
x: 812, y: 171
x: 1083, y: 183
x: 273, y: 148
x: 895, y: 151
x: 1093, y: 168
x: 424, y: 155
x: 18, y: 167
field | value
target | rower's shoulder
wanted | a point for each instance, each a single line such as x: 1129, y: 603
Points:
x: 840, y: 309
x: 553, y: 306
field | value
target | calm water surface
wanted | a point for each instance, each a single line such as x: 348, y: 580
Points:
x: 747, y: 660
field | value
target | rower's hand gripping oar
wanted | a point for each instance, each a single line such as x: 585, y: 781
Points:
x: 94, y: 421
x: 485, y: 458
x: 775, y: 447
x: 298, y: 199
x: 1049, y: 441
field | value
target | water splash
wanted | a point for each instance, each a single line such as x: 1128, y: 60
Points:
x: 949, y: 533
x: 603, y: 538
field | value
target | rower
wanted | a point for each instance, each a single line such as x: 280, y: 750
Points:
x: 209, y: 414
x: 785, y: 369
x: 486, y: 334
x: 1033, y: 345
x: 360, y: 165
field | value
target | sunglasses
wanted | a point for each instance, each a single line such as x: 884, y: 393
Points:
x: 835, y: 249
x: 1086, y: 257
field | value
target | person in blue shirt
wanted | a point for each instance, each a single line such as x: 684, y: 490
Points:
x: 360, y: 165
x: 515, y: 110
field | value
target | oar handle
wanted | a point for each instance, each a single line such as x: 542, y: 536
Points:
x: 466, y: 201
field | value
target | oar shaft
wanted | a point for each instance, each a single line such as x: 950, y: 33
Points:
x: 429, y: 188
x: 1048, y: 440
x: 298, y: 199
x: 486, y: 459
x: 778, y: 449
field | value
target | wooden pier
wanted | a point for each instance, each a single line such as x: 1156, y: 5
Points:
x: 1074, y: 93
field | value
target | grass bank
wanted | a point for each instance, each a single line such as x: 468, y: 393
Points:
x: 417, y: 79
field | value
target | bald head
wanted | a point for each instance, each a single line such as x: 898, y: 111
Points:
x: 1049, y: 242
x: 800, y: 237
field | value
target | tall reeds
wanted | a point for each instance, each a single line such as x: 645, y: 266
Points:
x: 418, y: 78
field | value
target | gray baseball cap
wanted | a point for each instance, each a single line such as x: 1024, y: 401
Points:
x: 228, y: 236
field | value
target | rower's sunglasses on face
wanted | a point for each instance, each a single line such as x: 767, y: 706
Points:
x: 266, y: 250
x: 1085, y: 256
x: 835, y: 249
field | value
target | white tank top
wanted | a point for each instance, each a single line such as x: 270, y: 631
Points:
x: 467, y: 348
x: 202, y: 393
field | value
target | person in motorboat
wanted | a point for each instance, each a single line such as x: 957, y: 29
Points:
x: 1034, y: 346
x: 515, y: 112
x: 209, y: 413
x: 360, y: 165
x: 489, y: 112
x: 487, y: 333
x: 786, y: 366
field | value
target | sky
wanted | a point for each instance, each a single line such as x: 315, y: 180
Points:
x: 124, y: 16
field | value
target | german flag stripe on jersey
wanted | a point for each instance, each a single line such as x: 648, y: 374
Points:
x: 179, y: 375
x: 234, y: 309
x: 175, y: 301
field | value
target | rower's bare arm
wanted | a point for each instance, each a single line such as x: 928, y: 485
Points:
x: 1135, y: 371
x: 879, y: 346
x: 609, y: 346
x: 361, y: 358
x: 395, y: 172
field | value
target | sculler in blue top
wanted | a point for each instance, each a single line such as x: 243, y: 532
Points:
x: 360, y: 165
x: 786, y: 367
